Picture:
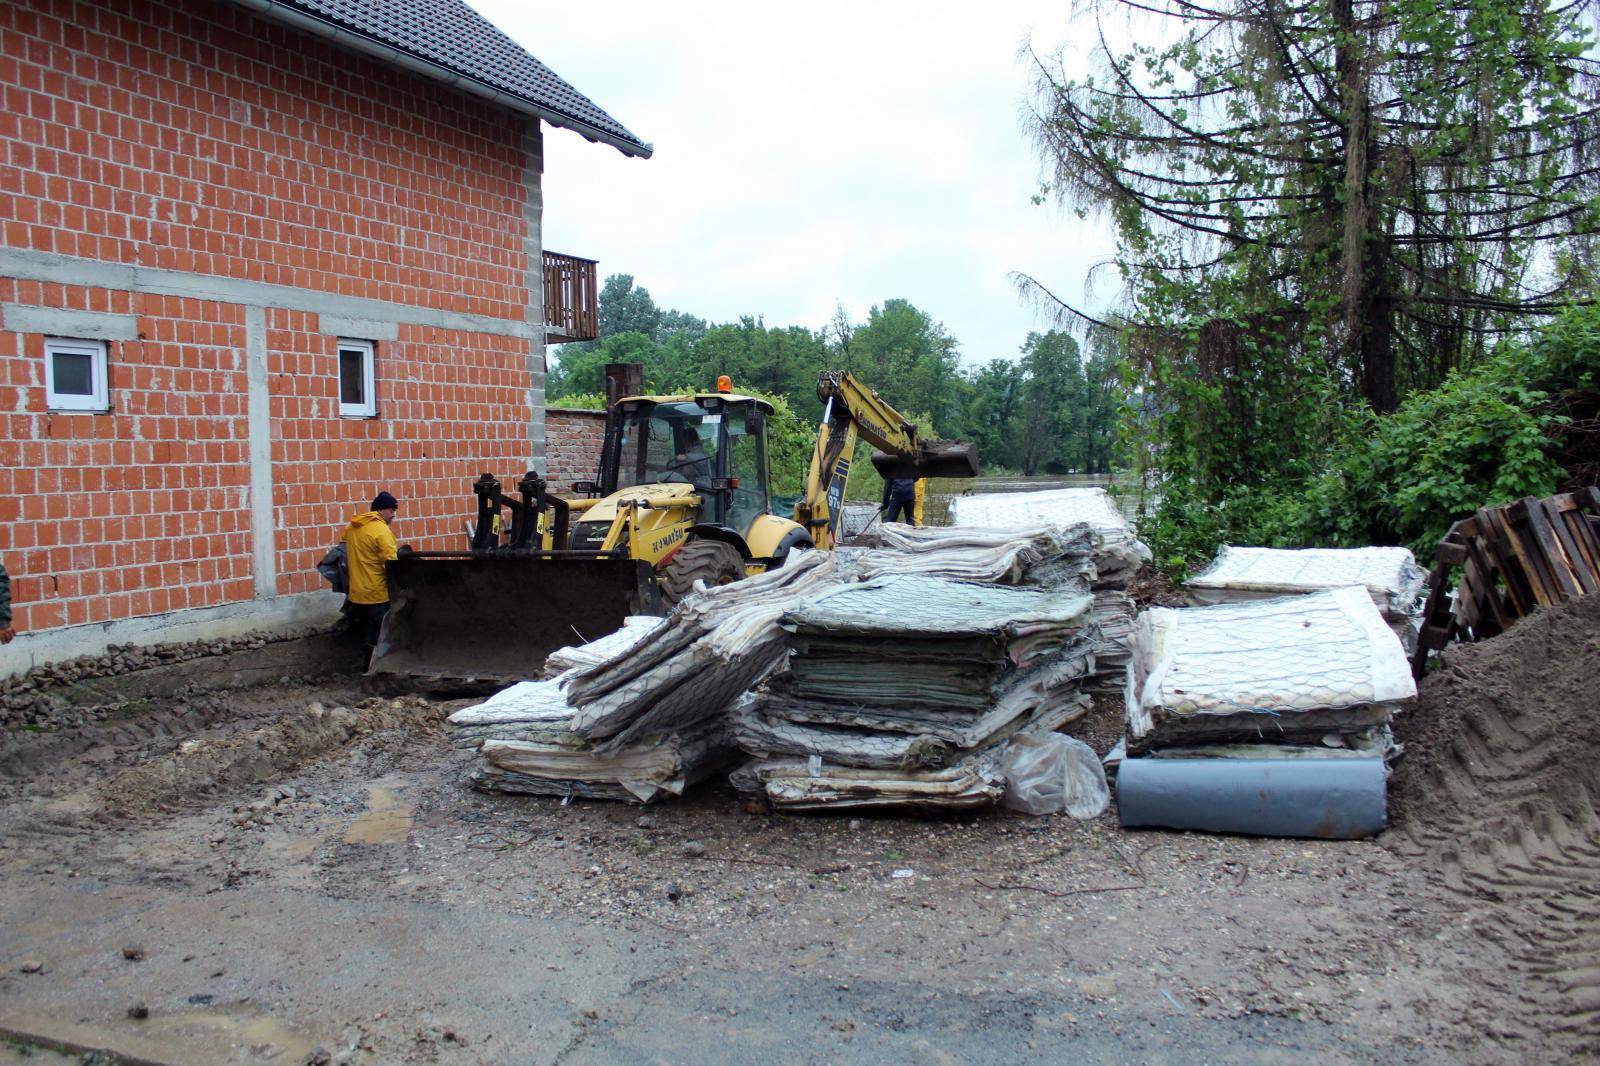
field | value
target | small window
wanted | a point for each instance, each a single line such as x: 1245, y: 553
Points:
x: 356, y: 396
x: 75, y: 375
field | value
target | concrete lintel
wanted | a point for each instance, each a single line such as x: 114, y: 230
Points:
x: 278, y: 615
x: 61, y: 322
x: 359, y: 329
x: 91, y: 273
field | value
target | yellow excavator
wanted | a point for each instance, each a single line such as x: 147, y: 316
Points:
x: 683, y: 495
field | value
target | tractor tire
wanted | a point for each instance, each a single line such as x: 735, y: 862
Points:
x: 710, y: 561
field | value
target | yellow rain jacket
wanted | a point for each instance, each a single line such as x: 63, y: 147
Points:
x: 368, y: 545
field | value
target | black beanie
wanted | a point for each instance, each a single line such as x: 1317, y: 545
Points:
x: 383, y: 501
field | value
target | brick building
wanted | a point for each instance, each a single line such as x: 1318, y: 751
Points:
x: 573, y: 439
x: 258, y: 259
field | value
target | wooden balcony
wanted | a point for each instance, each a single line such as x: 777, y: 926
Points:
x: 571, y: 299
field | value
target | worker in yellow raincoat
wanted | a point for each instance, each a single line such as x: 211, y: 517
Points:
x: 369, y: 545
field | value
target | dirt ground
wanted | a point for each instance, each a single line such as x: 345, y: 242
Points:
x: 294, y: 871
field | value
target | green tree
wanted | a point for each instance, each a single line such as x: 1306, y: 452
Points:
x: 1104, y: 401
x: 991, y: 413
x: 1525, y: 422
x: 1390, y: 168
x: 1323, y: 205
x: 583, y: 369
x: 782, y: 362
x: 1052, y: 392
x: 909, y: 358
x: 627, y: 308
x: 681, y: 327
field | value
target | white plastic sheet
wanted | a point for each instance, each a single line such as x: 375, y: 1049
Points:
x: 635, y: 628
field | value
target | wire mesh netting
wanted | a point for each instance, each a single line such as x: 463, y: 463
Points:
x: 1390, y: 575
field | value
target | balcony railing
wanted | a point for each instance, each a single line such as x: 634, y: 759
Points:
x: 571, y: 299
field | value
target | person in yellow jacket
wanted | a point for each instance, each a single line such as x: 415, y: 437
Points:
x: 369, y: 545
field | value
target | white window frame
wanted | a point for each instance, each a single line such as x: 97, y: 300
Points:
x: 369, y: 407
x: 98, y: 399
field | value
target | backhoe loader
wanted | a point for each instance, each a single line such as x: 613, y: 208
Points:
x: 683, y: 496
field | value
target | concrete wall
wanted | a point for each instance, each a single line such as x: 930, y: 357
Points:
x: 572, y: 445
x: 221, y: 198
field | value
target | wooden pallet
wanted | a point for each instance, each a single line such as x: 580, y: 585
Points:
x: 1527, y: 554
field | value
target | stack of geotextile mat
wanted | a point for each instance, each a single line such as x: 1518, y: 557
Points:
x: 650, y: 717
x: 1117, y: 556
x: 1114, y: 557
x: 1264, y: 717
x: 903, y: 689
x: 580, y: 656
x: 716, y: 644
x: 1391, y: 577
x: 527, y: 742
x: 1058, y: 556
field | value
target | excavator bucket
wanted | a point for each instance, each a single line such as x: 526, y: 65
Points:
x: 476, y: 622
x: 935, y: 458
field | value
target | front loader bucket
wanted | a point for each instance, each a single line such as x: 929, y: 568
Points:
x: 938, y: 458
x: 463, y: 622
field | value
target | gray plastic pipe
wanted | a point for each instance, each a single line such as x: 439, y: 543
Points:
x: 1332, y: 799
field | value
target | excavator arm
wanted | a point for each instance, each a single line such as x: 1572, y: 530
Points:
x: 852, y: 411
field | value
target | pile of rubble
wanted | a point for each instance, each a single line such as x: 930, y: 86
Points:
x: 904, y: 689
x: 1270, y: 716
x: 21, y: 692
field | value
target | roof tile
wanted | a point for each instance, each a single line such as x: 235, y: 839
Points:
x: 452, y: 35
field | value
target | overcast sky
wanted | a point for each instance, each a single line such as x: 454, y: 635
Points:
x: 806, y: 156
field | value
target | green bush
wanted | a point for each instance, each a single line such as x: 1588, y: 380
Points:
x: 1485, y: 437
x: 582, y: 401
x: 790, y: 441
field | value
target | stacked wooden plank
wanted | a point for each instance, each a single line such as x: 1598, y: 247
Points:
x: 903, y: 689
x: 1512, y: 559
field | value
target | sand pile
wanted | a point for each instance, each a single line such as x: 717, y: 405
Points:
x: 1498, y: 789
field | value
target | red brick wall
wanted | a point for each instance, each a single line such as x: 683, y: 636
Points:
x: 171, y: 135
x: 450, y: 406
x: 140, y: 511
x: 572, y: 445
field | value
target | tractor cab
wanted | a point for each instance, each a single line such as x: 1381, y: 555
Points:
x: 713, y: 444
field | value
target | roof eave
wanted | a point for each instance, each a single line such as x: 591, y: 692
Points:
x: 438, y: 72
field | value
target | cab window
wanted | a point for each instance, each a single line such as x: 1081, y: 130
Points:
x: 668, y: 443
x: 747, y: 463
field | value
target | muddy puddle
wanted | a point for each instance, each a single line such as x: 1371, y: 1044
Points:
x: 202, y: 1037
x: 387, y: 819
